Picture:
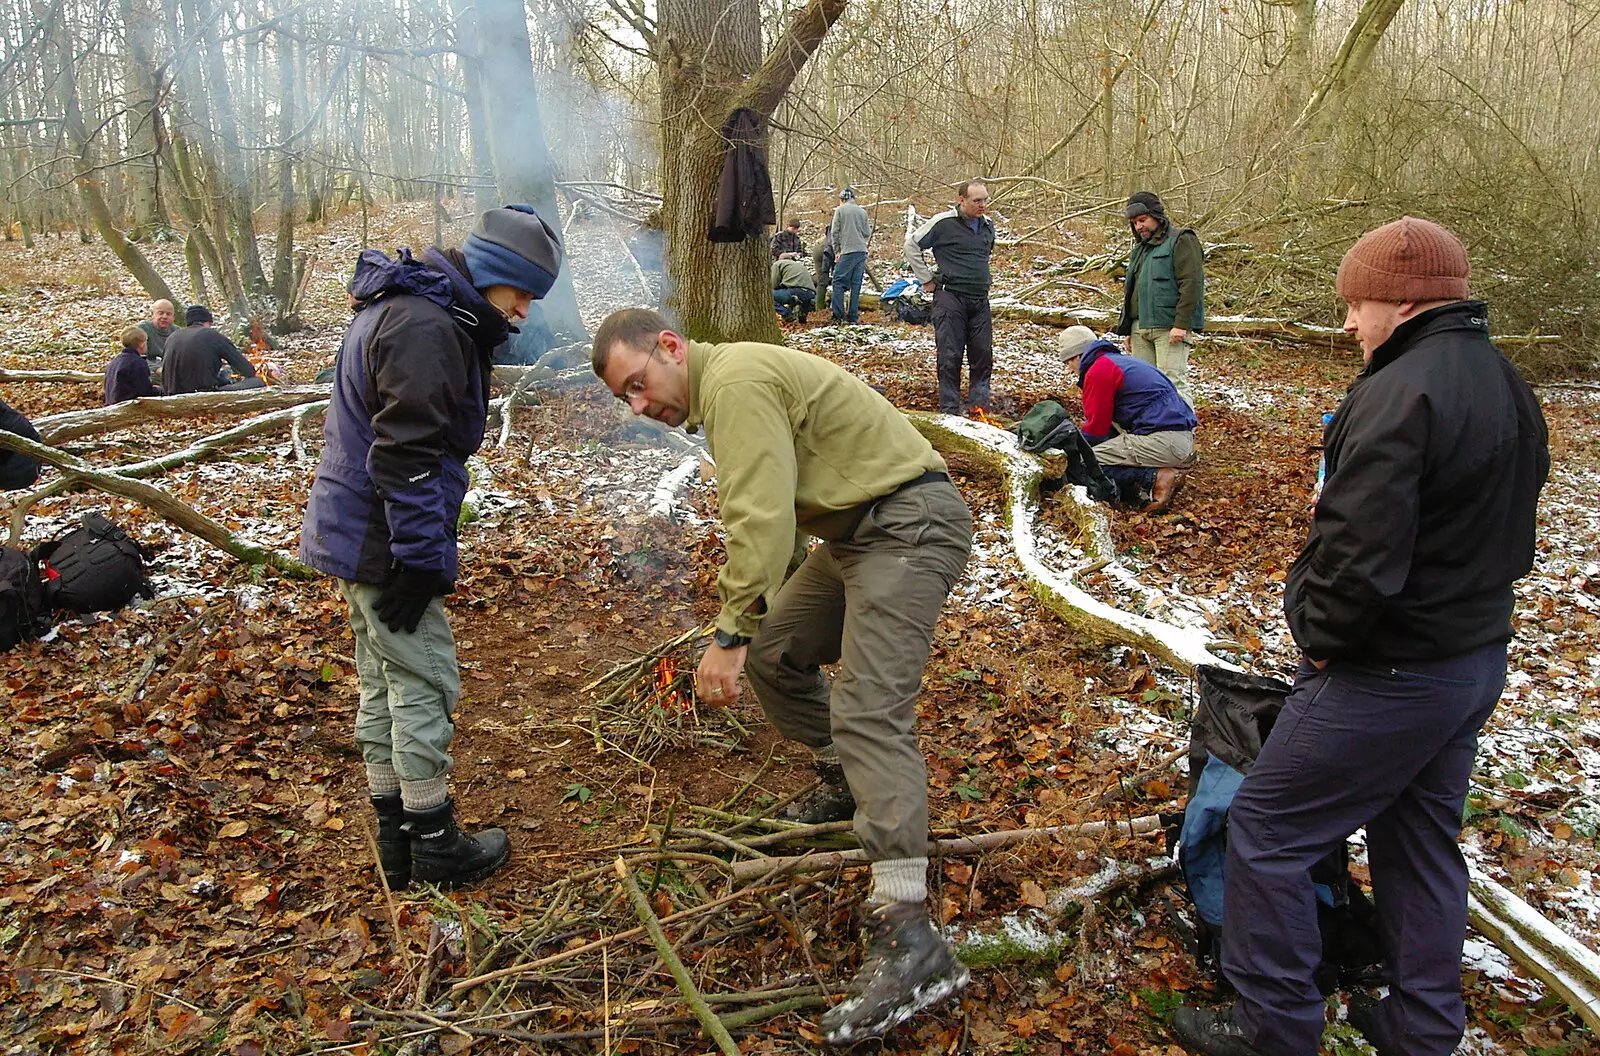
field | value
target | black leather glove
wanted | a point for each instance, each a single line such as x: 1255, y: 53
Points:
x: 406, y: 596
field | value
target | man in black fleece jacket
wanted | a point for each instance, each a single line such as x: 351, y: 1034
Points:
x: 1401, y: 604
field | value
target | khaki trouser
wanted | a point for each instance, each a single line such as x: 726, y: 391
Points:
x: 868, y: 603
x: 1156, y: 347
x: 409, y: 687
x: 1173, y: 449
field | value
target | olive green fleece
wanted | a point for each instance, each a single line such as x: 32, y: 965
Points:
x: 800, y: 444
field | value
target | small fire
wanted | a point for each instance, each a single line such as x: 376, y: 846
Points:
x: 664, y: 684
x: 977, y: 412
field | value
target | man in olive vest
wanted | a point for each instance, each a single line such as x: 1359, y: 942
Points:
x: 1164, y: 299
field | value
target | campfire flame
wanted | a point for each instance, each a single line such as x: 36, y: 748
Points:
x: 977, y: 412
x: 665, y: 691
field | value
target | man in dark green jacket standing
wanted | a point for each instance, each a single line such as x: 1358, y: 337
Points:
x: 1164, y: 299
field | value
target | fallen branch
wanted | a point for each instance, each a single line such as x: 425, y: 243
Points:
x: 1560, y: 961
x: 59, y: 428
x: 81, y: 376
x: 762, y: 868
x: 184, y: 516
x: 1182, y: 647
x: 691, y: 993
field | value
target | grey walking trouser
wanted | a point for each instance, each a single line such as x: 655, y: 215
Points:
x: 868, y: 603
x: 409, y: 687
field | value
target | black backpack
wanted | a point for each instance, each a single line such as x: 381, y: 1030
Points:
x: 909, y: 309
x: 23, y: 613
x: 95, y: 567
x: 1231, y: 721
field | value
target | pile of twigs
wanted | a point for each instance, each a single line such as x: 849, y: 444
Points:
x: 647, y: 703
x: 664, y: 941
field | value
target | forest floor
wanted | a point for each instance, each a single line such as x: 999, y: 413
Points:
x: 185, y: 862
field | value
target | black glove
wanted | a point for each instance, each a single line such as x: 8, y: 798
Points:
x: 406, y: 596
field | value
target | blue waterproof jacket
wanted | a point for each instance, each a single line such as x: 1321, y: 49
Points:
x: 1140, y: 399
x: 410, y: 397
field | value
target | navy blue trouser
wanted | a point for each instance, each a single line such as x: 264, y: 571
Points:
x: 848, y: 272
x: 789, y: 300
x: 1389, y: 747
x: 963, y: 328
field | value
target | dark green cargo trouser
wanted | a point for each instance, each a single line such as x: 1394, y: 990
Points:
x: 868, y: 603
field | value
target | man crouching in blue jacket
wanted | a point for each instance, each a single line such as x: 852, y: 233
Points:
x: 410, y: 398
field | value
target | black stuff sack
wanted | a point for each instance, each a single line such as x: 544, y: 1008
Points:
x: 95, y: 567
x: 23, y: 612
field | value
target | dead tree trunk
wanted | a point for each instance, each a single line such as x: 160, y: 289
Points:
x: 709, y: 61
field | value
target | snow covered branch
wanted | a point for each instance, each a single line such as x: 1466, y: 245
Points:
x: 59, y: 428
x: 1182, y: 647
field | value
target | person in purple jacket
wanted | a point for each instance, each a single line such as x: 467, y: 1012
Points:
x: 128, y: 373
x: 410, y: 397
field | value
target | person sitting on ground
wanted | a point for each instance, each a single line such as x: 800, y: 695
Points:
x: 195, y: 356
x: 792, y: 293
x: 128, y: 373
x: 157, y: 329
x: 786, y: 244
x: 1141, y: 428
x: 16, y: 469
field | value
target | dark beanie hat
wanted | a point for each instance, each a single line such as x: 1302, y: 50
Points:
x: 512, y: 246
x: 1407, y: 260
x: 197, y: 314
x: 1142, y: 202
x: 847, y: 195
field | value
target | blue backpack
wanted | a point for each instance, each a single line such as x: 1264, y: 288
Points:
x: 1233, y: 717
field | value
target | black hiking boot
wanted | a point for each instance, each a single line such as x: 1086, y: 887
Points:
x: 1366, y: 1015
x: 443, y: 855
x: 394, y: 846
x: 909, y: 967
x: 831, y: 802
x: 1210, y: 1032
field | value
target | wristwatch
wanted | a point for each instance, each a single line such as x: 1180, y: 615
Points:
x: 725, y: 640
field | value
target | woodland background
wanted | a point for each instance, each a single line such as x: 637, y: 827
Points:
x: 1279, y: 128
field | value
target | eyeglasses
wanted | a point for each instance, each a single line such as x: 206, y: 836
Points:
x: 634, y: 386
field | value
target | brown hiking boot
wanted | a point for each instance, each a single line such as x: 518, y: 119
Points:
x: 1168, y: 483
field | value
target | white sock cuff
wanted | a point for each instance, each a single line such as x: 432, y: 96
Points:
x: 425, y: 795
x: 900, y: 880
x: 382, y: 779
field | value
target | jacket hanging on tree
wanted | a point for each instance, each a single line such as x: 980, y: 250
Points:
x: 744, y: 193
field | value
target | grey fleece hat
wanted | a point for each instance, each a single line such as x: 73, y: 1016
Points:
x: 513, y: 246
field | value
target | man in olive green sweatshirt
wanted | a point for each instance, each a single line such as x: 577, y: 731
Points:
x: 803, y: 448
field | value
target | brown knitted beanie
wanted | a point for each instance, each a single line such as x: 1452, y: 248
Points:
x: 1407, y: 260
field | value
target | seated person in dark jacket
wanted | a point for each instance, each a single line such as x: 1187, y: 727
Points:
x: 16, y: 469
x: 1141, y: 429
x: 792, y: 293
x: 195, y: 356
x: 128, y: 373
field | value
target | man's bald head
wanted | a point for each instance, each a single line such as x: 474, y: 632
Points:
x: 162, y: 314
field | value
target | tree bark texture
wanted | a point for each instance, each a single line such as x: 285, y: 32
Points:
x: 709, y: 61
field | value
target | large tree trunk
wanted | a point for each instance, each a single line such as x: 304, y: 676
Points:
x: 466, y: 25
x: 709, y: 62
x: 523, y: 168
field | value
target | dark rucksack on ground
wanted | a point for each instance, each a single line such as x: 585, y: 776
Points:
x: 95, y: 567
x: 1046, y: 426
x: 1232, y: 719
x: 23, y: 611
